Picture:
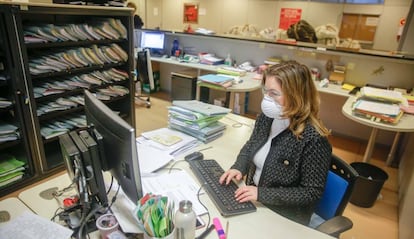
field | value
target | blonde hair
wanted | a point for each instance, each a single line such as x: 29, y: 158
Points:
x: 301, y: 96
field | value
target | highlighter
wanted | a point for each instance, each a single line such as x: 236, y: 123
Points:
x: 220, y: 232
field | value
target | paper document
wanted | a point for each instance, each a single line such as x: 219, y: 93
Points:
x: 150, y: 158
x: 29, y: 225
x: 187, y: 142
x: 176, y: 185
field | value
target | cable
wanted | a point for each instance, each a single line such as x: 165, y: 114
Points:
x: 173, y: 164
x: 202, y: 204
x: 86, y: 219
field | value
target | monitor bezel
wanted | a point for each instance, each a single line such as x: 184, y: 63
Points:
x: 112, y: 127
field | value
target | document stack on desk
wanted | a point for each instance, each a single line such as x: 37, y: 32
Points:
x: 379, y: 105
x: 169, y: 141
x: 217, y: 79
x: 199, y: 121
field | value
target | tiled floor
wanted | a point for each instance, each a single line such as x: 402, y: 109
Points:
x: 377, y: 222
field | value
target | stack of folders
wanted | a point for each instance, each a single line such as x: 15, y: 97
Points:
x: 379, y: 105
x: 4, y: 103
x: 229, y: 70
x: 218, y: 79
x: 198, y: 119
x: 77, y: 58
x: 84, y: 81
x: 107, y: 28
x: 56, y: 127
x: 8, y: 132
x: 210, y: 59
x: 11, y: 169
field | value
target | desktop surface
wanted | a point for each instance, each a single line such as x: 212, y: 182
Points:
x: 263, y: 223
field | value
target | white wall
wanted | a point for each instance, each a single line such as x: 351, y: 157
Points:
x: 221, y: 15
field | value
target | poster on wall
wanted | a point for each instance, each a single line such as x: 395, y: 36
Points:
x: 289, y: 16
x: 190, y: 13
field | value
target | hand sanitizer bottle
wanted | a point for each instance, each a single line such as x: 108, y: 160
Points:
x: 185, y: 221
x: 228, y: 61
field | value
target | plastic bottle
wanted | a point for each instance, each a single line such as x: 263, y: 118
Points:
x: 228, y: 61
x: 185, y: 221
x: 175, y: 47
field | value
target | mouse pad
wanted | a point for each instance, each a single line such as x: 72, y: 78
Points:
x: 48, y: 194
x: 4, y: 216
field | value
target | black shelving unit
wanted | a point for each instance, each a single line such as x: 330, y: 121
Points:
x: 43, y: 154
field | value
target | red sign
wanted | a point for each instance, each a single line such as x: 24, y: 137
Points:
x: 289, y: 16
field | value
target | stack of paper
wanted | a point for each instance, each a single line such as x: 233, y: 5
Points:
x: 8, y: 132
x: 5, y: 102
x: 203, y: 126
x: 229, y: 70
x: 384, y: 95
x: 217, y: 79
x: 106, y: 28
x: 210, y: 59
x: 11, y: 169
x: 380, y: 105
x: 76, y: 58
x: 377, y: 111
x: 56, y: 127
x: 169, y: 141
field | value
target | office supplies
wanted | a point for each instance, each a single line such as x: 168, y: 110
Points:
x: 220, y: 232
x: 208, y: 172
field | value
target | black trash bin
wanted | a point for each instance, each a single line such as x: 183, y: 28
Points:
x: 368, y: 184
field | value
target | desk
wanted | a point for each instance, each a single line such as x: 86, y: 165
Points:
x: 248, y: 83
x: 406, y: 124
x: 261, y: 224
x: 14, y: 207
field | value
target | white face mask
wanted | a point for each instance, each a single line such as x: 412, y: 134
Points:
x: 271, y: 108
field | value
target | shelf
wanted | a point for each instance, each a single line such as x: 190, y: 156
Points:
x: 77, y: 70
x: 49, y: 45
x: 9, y: 144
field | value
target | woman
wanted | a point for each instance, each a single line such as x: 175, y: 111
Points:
x: 287, y: 157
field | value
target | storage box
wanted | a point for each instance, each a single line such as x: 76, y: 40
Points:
x: 183, y: 85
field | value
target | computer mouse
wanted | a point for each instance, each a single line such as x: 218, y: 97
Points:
x: 194, y: 156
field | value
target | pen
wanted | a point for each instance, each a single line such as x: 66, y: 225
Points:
x: 206, y: 232
x: 220, y: 232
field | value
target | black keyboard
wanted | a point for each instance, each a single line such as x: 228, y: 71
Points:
x: 208, y: 172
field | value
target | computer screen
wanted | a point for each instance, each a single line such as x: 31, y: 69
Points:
x: 152, y: 40
x: 118, y: 141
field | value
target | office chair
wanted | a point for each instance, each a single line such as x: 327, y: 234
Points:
x: 328, y: 217
x: 145, y: 76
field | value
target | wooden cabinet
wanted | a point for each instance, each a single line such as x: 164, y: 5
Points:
x: 53, y: 53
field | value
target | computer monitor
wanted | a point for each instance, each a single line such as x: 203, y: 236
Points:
x: 118, y: 141
x: 144, y: 68
x: 152, y: 40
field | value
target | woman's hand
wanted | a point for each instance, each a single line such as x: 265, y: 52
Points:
x: 246, y: 193
x: 229, y: 175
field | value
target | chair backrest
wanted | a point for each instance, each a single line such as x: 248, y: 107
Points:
x: 144, y: 68
x: 338, y: 189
